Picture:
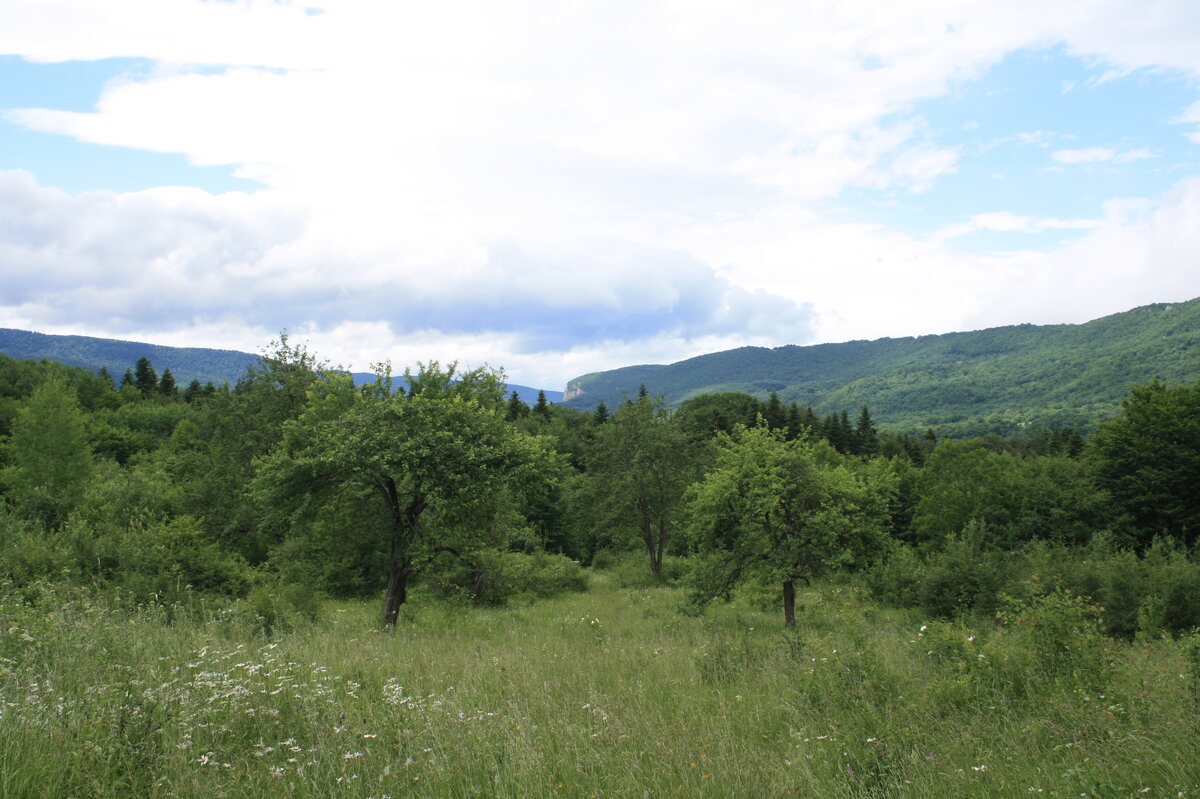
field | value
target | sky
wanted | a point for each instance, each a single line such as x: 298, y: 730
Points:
x: 561, y: 187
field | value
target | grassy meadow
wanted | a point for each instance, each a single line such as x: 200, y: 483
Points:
x: 615, y: 692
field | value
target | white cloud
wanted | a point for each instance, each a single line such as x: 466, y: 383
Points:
x: 558, y: 187
x: 1007, y: 222
x: 1095, y: 155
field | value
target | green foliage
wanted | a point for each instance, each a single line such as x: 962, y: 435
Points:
x: 785, y: 510
x: 435, y: 461
x: 1149, y: 457
x: 1004, y: 380
x: 49, y: 455
x: 1017, y: 499
x: 1059, y: 630
x: 494, y: 577
x: 637, y: 468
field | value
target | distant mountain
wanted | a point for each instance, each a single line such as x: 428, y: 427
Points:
x: 997, y: 380
x: 186, y: 363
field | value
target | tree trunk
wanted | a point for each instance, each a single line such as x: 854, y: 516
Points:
x: 397, y: 592
x: 789, y: 604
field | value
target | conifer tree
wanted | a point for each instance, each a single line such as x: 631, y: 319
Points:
x: 542, y: 408
x: 145, y: 378
x: 866, y: 438
x: 166, y: 386
x: 517, y: 409
x: 601, y: 414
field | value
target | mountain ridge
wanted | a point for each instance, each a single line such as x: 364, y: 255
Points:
x: 186, y: 363
x: 999, y: 379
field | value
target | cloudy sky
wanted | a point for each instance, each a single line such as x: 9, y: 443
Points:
x: 561, y: 187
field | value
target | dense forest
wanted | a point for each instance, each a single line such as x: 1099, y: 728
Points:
x: 159, y: 541
x: 296, y: 480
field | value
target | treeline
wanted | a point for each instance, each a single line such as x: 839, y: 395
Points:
x: 295, y: 483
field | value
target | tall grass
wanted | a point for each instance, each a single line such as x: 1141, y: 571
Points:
x: 612, y: 693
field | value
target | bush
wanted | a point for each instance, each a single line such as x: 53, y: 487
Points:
x: 162, y: 561
x: 492, y: 577
x: 1059, y: 631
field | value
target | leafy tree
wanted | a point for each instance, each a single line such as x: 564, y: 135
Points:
x: 637, y: 469
x: 963, y: 481
x: 215, y: 463
x: 703, y: 416
x: 1149, y: 459
x: 145, y: 379
x: 784, y: 510
x: 49, y: 452
x: 434, y: 461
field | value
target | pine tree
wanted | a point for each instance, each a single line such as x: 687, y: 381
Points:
x: 542, y: 408
x: 774, y: 413
x: 145, y: 378
x: 866, y: 438
x: 601, y: 414
x: 166, y: 386
x: 517, y: 409
x: 127, y: 378
x: 106, y: 378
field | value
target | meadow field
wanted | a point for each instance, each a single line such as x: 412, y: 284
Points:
x: 614, y: 692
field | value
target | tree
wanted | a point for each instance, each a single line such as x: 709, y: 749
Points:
x: 601, y: 414
x: 542, y: 406
x: 145, y: 379
x: 866, y: 439
x: 106, y: 379
x: 785, y: 510
x: 214, y: 469
x: 1149, y: 458
x: 774, y: 412
x: 433, y: 461
x: 49, y: 452
x: 517, y: 409
x: 637, y: 468
x: 166, y: 386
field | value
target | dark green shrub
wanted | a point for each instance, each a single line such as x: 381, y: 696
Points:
x: 492, y: 577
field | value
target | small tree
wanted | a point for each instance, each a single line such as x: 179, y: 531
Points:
x: 637, y: 468
x: 785, y: 510
x: 50, y: 456
x: 434, y: 459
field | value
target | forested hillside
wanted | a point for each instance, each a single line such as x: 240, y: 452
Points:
x: 1001, y: 380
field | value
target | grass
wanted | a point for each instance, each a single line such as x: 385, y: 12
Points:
x: 612, y: 693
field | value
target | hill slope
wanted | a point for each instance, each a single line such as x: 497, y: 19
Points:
x: 186, y: 363
x: 996, y: 380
